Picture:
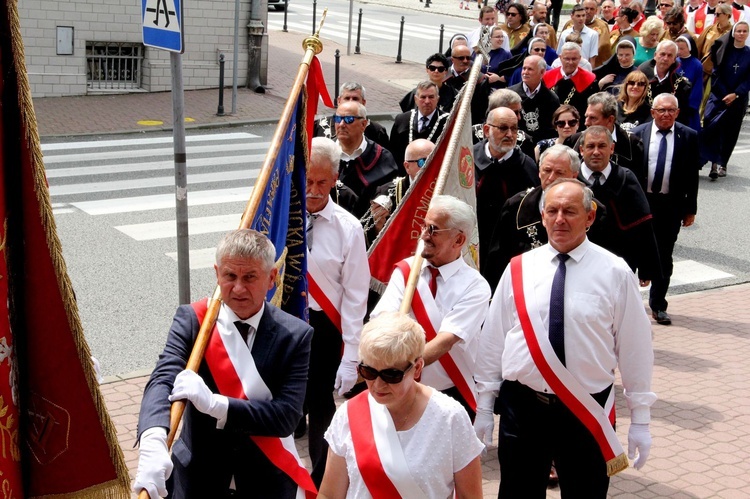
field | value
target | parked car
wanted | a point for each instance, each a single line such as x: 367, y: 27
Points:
x: 276, y: 4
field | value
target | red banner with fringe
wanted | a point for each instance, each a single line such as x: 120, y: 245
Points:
x: 56, y: 436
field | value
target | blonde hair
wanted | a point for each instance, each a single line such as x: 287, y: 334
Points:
x: 391, y: 338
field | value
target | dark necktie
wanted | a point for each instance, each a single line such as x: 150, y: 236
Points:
x: 434, y: 272
x: 311, y: 218
x: 597, y: 176
x: 693, y: 9
x: 661, y: 162
x: 711, y: 11
x: 557, y: 309
x: 244, y: 329
x: 424, y: 120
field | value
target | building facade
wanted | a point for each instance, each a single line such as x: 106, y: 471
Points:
x: 80, y: 47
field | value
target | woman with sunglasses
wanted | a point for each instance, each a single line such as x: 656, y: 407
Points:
x: 540, y: 30
x: 612, y: 73
x: 565, y: 120
x: 722, y: 24
x: 633, y: 105
x: 400, y: 438
x: 727, y: 103
x: 436, y: 66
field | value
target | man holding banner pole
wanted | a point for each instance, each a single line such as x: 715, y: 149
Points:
x: 564, y: 316
x: 338, y: 279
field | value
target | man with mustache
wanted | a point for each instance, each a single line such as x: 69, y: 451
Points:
x: 338, y: 279
x: 502, y: 170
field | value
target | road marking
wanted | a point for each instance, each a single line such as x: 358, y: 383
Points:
x: 163, y: 201
x: 199, y: 259
x: 167, y: 229
x: 691, y: 272
x: 93, y: 144
x: 144, y: 153
x: 251, y: 160
x: 145, y: 183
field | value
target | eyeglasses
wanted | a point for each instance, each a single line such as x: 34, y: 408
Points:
x: 562, y: 123
x: 431, y: 230
x: 439, y: 69
x: 461, y: 57
x: 346, y: 119
x: 391, y: 375
x: 672, y: 23
x: 661, y: 110
x: 505, y: 128
x: 666, y: 5
x: 420, y: 162
x: 637, y: 83
x: 511, y: 14
x: 539, y: 49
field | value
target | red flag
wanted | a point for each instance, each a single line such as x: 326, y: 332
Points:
x: 56, y: 436
x: 316, y: 87
x: 399, y: 237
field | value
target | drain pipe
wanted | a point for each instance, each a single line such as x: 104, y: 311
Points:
x: 255, y: 38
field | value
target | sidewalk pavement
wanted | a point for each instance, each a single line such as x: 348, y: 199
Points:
x: 700, y: 424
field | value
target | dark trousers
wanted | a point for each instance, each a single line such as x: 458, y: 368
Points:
x: 666, y: 222
x: 554, y: 14
x: 535, y: 431
x: 325, y: 356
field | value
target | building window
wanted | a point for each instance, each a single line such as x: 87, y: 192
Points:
x: 114, y: 65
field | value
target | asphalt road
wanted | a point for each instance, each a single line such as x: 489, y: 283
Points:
x: 115, y: 218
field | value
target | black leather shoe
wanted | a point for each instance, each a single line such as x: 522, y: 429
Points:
x: 661, y: 317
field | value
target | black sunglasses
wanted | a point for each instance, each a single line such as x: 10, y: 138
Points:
x: 462, y: 57
x: 392, y: 376
x: 346, y: 119
x: 562, y: 123
x: 420, y: 162
x: 439, y: 69
x: 637, y: 83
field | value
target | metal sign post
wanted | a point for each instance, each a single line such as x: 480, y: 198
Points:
x: 162, y: 29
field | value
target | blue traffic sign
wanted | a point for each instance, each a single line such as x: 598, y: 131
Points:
x: 162, y: 24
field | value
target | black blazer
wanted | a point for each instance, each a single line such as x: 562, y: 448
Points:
x: 205, y: 457
x: 683, y: 175
x: 400, y: 134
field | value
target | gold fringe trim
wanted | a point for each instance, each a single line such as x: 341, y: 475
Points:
x: 616, y: 465
x: 107, y: 490
x: 119, y: 488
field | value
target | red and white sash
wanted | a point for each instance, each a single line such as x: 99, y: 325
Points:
x: 455, y: 362
x: 323, y: 292
x: 377, y: 449
x: 562, y: 382
x: 236, y: 375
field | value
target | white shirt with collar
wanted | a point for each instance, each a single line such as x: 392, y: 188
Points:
x: 462, y: 298
x: 487, y: 152
x: 339, y: 251
x: 356, y: 153
x: 420, y: 116
x: 531, y: 93
x: 590, y: 45
x: 653, y: 155
x: 605, y: 327
x: 588, y: 174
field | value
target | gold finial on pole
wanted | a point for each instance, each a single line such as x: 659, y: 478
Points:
x: 313, y: 42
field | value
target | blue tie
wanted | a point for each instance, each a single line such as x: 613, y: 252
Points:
x: 661, y: 161
x: 557, y: 309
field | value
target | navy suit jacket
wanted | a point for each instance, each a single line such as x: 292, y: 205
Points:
x: 205, y: 457
x: 683, y: 176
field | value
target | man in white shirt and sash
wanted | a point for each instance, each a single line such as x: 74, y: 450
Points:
x: 245, y: 399
x: 563, y: 317
x: 338, y: 282
x: 450, y: 301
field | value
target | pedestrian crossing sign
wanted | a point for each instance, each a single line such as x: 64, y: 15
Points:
x: 162, y: 24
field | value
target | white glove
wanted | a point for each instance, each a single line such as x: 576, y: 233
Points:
x: 154, y: 464
x: 346, y: 376
x: 484, y: 425
x: 188, y: 385
x: 639, y: 438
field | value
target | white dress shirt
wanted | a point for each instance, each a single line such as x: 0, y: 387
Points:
x: 605, y: 327
x: 653, y: 155
x: 339, y: 251
x: 462, y: 297
x: 419, y: 119
x: 588, y: 174
x: 356, y: 153
x: 590, y: 45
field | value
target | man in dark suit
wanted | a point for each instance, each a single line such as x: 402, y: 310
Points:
x: 602, y: 111
x: 250, y: 384
x: 671, y: 186
x: 424, y: 122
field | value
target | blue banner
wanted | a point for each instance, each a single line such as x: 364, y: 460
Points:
x: 282, y: 217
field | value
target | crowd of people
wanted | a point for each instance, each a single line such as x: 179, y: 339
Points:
x: 588, y: 142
